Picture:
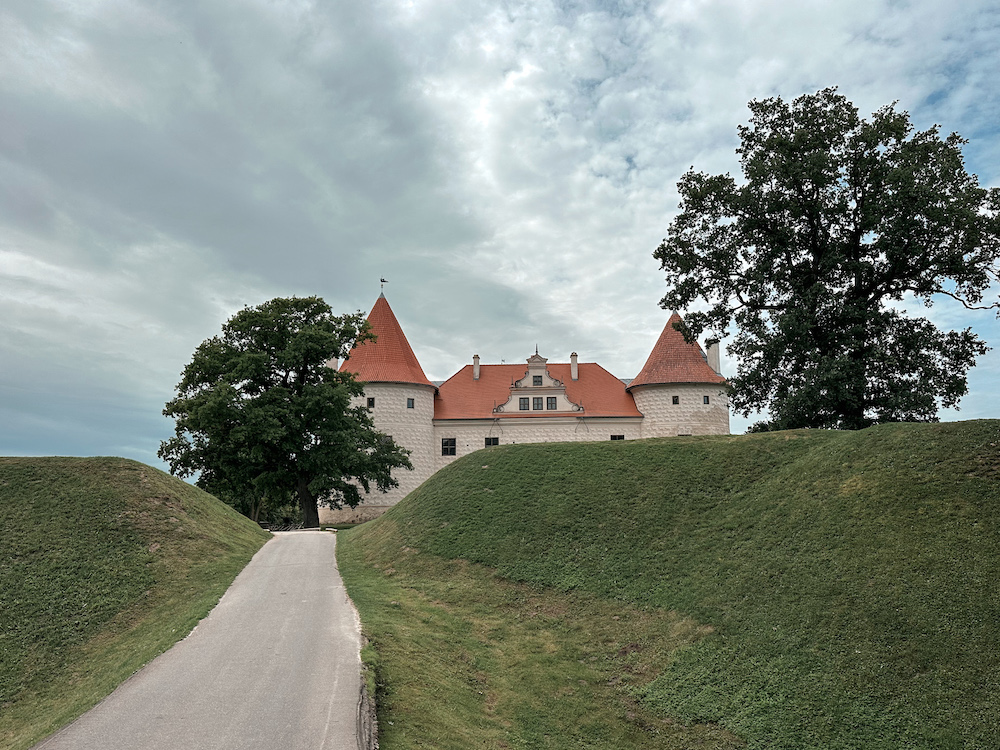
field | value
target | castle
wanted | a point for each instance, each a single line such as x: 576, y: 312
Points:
x: 679, y: 391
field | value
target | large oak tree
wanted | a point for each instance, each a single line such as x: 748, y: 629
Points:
x: 260, y: 415
x: 837, y: 223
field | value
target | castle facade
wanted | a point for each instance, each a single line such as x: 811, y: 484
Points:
x: 679, y: 391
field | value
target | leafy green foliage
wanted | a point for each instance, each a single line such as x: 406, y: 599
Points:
x: 848, y: 577
x: 837, y: 220
x: 105, y: 564
x: 263, y: 418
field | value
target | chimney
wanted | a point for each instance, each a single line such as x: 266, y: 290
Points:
x: 475, y: 367
x: 574, y: 368
x: 333, y: 364
x: 713, y: 356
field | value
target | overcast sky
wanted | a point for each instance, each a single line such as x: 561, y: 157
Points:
x: 509, y: 167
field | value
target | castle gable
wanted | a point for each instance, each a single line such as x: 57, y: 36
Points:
x: 595, y: 393
x: 538, y: 392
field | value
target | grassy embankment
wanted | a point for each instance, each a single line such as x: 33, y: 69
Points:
x: 104, y: 563
x: 808, y: 589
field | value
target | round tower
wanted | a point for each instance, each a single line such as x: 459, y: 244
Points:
x: 677, y: 391
x: 400, y: 399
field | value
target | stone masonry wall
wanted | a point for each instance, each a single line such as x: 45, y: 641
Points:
x: 691, y: 416
x: 470, y: 435
x: 410, y: 428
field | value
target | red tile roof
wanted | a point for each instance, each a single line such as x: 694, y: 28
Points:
x: 673, y: 360
x: 388, y: 359
x: 599, y: 392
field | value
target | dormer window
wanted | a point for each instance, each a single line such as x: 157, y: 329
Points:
x: 536, y: 379
x: 523, y: 404
x: 550, y: 403
x: 536, y: 403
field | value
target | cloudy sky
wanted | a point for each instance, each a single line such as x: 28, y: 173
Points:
x: 509, y: 167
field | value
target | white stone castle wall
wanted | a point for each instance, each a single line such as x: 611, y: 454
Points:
x: 416, y: 430
x: 410, y: 428
x: 663, y: 418
x: 470, y: 435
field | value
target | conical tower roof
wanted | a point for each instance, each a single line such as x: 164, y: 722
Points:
x: 388, y: 359
x: 673, y: 360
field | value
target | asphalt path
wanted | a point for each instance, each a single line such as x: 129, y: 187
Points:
x: 275, y: 665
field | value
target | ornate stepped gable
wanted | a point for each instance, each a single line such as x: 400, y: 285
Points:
x: 497, y: 392
x: 388, y: 359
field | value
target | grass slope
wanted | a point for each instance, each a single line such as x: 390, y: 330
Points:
x: 105, y: 563
x: 841, y: 588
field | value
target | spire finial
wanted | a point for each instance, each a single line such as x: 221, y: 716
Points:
x: 382, y: 285
x: 536, y: 350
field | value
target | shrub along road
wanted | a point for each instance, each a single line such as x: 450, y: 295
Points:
x: 276, y: 664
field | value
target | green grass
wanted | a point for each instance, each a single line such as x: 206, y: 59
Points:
x: 104, y: 564
x: 840, y: 588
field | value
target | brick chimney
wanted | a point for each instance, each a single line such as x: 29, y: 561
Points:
x: 475, y: 367
x: 574, y: 368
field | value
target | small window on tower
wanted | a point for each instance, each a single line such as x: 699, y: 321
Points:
x: 550, y: 403
x: 409, y: 403
x: 371, y: 402
x: 706, y: 399
x: 675, y: 400
x: 536, y: 379
x: 447, y: 446
x: 523, y: 404
x: 536, y: 403
x: 492, y: 441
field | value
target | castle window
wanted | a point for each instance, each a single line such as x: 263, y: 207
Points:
x: 550, y: 403
x: 536, y: 403
x: 706, y: 399
x: 675, y: 400
x: 536, y: 379
x: 492, y: 441
x: 617, y: 437
x: 447, y: 446
x: 371, y: 402
x: 523, y: 404
x: 409, y: 403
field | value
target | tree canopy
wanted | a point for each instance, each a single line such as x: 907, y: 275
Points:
x: 262, y: 417
x: 838, y: 224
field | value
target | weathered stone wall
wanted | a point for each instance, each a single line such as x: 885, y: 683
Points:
x: 470, y: 435
x: 415, y: 429
x: 410, y: 428
x: 691, y: 416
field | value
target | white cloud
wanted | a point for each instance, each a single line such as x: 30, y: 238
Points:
x: 509, y: 168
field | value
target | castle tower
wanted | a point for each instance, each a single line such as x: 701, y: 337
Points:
x: 401, y: 401
x: 677, y: 391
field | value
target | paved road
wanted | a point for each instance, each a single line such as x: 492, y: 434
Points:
x: 274, y: 666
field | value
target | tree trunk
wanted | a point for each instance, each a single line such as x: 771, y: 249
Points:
x: 307, y: 503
